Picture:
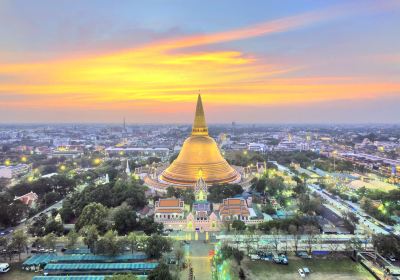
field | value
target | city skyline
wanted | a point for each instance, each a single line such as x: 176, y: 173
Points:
x: 297, y: 62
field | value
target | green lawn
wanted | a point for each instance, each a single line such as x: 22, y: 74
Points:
x: 16, y: 273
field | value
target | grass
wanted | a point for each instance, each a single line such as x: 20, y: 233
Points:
x: 16, y: 273
x: 321, y: 269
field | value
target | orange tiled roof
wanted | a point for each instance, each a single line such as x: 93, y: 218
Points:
x: 169, y: 210
x: 169, y: 203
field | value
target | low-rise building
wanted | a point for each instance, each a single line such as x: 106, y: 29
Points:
x: 28, y: 199
x: 234, y: 209
x: 169, y: 209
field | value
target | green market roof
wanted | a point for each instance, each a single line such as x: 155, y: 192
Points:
x: 99, y: 266
x: 43, y: 259
x: 80, y: 277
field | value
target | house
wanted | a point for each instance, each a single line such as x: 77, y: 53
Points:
x: 28, y: 199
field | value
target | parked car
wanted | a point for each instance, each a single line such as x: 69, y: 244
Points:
x: 4, y: 267
x: 254, y: 257
x: 391, y: 258
x: 301, y: 272
x: 280, y: 259
x: 304, y: 255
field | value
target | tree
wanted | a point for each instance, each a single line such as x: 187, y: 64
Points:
x: 350, y: 221
x: 50, y: 241
x: 132, y: 240
x: 237, y: 255
x: 275, y: 238
x: 109, y: 244
x: 55, y: 227
x: 150, y: 227
x: 93, y: 214
x: 122, y: 277
x: 67, y: 211
x: 386, y: 244
x: 218, y: 193
x: 90, y: 236
x: 259, y: 185
x: 179, y: 255
x: 293, y: 230
x: 310, y: 232
x: 72, y: 238
x: 156, y: 245
x: 38, y: 225
x: 274, y: 185
x: 20, y: 241
x: 354, y: 244
x: 238, y: 225
x: 161, y: 272
x: 269, y: 209
x: 125, y: 219
x: 308, y: 205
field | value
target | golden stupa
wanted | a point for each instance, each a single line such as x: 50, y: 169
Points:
x: 199, y: 157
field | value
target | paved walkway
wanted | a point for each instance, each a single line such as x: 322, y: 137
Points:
x: 197, y: 254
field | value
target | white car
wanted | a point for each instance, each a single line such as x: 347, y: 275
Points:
x: 301, y: 272
x: 4, y: 267
x: 254, y: 257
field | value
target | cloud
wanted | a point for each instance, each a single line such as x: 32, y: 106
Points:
x: 162, y: 77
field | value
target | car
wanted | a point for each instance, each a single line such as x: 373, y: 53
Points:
x: 171, y: 260
x: 301, y: 272
x: 4, y: 267
x: 254, y: 257
x: 391, y: 258
x: 304, y: 255
x: 306, y: 270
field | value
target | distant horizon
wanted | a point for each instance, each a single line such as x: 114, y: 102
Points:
x: 190, y: 124
x: 289, y: 62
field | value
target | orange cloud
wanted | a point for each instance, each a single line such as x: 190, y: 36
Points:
x: 160, y: 73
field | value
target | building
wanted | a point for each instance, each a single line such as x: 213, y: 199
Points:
x: 138, y: 152
x: 169, y: 209
x: 234, y: 209
x: 28, y: 199
x: 199, y: 152
x: 201, y: 207
x: 257, y: 147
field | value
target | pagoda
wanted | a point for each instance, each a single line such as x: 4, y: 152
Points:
x: 199, y: 152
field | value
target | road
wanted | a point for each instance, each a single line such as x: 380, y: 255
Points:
x: 56, y: 205
x: 369, y: 223
x: 197, y: 254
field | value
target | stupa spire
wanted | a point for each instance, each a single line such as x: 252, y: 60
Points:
x: 199, y: 125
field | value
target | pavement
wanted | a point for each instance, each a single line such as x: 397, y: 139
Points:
x: 197, y: 254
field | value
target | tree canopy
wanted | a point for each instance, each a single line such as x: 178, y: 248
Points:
x: 218, y: 193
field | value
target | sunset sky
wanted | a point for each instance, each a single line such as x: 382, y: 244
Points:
x: 252, y: 61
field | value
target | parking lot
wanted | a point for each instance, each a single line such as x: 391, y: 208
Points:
x: 324, y: 269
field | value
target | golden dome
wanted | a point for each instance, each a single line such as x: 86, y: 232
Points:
x: 199, y: 155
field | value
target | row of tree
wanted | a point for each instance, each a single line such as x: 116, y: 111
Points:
x: 109, y: 195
